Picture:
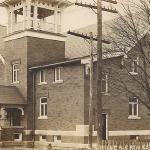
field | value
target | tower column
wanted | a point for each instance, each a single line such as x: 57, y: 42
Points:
x: 56, y: 19
x: 35, y: 16
x: 9, y: 21
x: 24, y: 15
x: 12, y: 16
x: 29, y: 23
x: 60, y: 21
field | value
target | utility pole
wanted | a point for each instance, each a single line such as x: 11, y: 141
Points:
x: 91, y: 101
x: 91, y: 93
x: 99, y: 61
x: 99, y: 74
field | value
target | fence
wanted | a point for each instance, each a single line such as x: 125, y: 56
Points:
x: 125, y: 145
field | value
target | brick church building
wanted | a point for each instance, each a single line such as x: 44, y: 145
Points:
x: 44, y: 83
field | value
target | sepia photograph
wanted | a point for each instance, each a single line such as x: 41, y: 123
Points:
x: 74, y: 75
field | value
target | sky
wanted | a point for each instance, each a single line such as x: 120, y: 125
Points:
x: 74, y: 17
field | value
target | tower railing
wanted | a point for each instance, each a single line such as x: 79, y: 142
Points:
x: 35, y: 25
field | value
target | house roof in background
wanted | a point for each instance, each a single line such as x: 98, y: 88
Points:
x: 11, y: 95
x: 79, y: 47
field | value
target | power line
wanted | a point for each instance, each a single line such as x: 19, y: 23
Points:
x: 93, y: 6
x: 85, y: 36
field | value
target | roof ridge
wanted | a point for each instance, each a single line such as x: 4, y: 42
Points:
x: 7, y: 85
x: 2, y: 25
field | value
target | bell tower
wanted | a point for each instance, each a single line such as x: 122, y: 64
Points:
x: 39, y: 15
x: 34, y: 35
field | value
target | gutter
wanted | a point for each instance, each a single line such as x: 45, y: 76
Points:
x: 54, y: 64
x: 33, y: 103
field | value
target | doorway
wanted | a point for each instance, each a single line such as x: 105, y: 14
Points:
x: 14, y: 116
x: 104, y: 126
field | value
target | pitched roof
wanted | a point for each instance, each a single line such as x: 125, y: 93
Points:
x: 79, y: 47
x: 11, y: 95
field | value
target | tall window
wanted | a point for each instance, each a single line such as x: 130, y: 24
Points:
x: 135, y: 63
x: 43, y: 107
x: 104, y: 84
x: 42, y: 76
x: 133, y: 106
x: 57, y: 74
x: 15, y: 73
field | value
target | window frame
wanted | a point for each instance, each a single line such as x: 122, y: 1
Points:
x: 44, y: 77
x: 44, y: 116
x: 58, y: 79
x: 55, y: 138
x: 105, y: 79
x: 20, y: 137
x: 42, y: 139
x: 15, y: 73
x: 135, y: 63
x: 132, y: 104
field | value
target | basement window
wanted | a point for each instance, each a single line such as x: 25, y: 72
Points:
x: 134, y: 137
x: 43, y: 138
x: 17, y: 136
x: 57, y: 138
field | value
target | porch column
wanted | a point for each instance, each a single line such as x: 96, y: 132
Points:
x: 3, y: 113
x: 3, y: 116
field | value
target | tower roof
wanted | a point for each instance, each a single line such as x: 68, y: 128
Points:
x: 60, y: 3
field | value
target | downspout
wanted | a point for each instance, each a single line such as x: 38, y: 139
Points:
x: 33, y: 98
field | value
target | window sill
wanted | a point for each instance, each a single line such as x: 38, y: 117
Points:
x: 58, y: 81
x: 43, y: 117
x: 134, y: 117
x: 15, y: 82
x: 133, y: 73
x: 42, y: 83
x: 106, y: 93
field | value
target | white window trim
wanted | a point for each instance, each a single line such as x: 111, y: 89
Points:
x: 41, y: 139
x: 42, y: 82
x: 133, y: 67
x: 55, y: 75
x: 15, y: 70
x: 55, y: 139
x: 134, y: 116
x: 20, y: 137
x: 44, y: 116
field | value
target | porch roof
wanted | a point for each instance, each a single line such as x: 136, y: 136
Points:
x: 11, y: 95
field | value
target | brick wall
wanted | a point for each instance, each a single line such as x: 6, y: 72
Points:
x: 65, y: 100
x: 116, y: 103
x: 43, y: 51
